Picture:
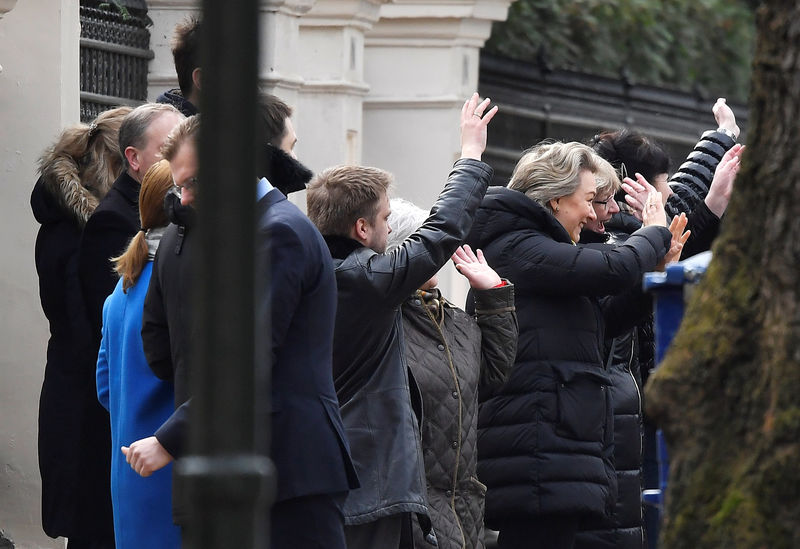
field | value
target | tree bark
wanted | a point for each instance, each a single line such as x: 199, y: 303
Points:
x: 728, y: 393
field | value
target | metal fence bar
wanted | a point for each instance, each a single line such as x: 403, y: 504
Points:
x: 227, y: 475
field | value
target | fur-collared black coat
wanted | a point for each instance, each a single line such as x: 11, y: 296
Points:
x: 74, y: 432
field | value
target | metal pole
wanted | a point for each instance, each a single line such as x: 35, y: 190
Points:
x: 227, y: 476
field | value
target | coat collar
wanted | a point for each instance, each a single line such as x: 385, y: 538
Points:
x: 128, y: 187
x: 341, y: 246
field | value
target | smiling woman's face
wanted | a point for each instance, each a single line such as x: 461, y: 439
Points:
x: 576, y: 210
x: 604, y: 208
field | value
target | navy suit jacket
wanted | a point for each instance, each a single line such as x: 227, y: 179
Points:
x: 308, y: 444
x: 309, y: 447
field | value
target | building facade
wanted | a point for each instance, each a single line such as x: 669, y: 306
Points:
x: 377, y: 82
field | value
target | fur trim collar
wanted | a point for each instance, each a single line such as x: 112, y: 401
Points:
x: 62, y: 180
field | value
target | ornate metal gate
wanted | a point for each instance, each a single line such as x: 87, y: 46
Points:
x: 115, y: 50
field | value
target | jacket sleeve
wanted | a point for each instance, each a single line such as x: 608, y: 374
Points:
x: 497, y: 319
x: 691, y: 182
x: 705, y: 228
x: 101, y: 374
x: 174, y: 431
x: 394, y: 276
x: 625, y: 311
x: 103, y: 238
x: 155, y: 331
x: 539, y: 262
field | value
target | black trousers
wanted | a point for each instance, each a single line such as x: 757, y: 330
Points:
x: 310, y: 522
x: 546, y: 532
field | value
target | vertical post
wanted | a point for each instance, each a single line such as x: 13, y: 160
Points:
x: 226, y: 476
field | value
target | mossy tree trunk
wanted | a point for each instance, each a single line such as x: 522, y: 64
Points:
x: 728, y: 393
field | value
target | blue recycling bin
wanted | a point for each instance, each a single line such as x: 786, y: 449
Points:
x: 670, y: 290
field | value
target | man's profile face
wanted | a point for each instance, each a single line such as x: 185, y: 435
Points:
x: 378, y: 229
x: 289, y: 139
x: 156, y: 134
x: 184, y: 171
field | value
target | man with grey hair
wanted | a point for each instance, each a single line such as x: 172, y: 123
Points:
x: 116, y: 218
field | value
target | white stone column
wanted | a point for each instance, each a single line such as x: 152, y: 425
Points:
x: 39, y: 95
x: 329, y: 111
x: 280, y: 59
x: 421, y: 62
x: 279, y: 50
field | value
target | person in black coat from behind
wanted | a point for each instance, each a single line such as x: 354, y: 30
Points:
x: 75, y: 174
x: 116, y: 218
x: 545, y: 440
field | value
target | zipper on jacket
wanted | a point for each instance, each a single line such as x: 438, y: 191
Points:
x: 639, y: 396
x: 460, y: 414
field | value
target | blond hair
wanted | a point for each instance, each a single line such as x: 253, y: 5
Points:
x: 607, y: 178
x: 340, y: 196
x: 155, y: 185
x: 187, y: 129
x: 551, y: 170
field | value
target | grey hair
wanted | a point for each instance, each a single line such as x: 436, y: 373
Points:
x: 551, y: 170
x: 405, y: 219
x: 133, y: 130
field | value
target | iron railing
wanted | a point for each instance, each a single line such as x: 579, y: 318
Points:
x: 539, y: 103
x: 114, y: 53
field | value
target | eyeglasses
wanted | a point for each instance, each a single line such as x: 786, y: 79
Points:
x: 189, y: 184
x: 604, y: 202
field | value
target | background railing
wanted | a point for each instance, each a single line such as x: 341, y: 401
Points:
x: 538, y: 103
x: 115, y: 50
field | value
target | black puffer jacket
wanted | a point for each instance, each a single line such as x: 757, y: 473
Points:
x: 452, y: 356
x: 545, y: 440
x: 691, y: 182
x: 623, y: 528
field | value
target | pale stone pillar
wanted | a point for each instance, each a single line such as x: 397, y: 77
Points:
x: 421, y: 62
x: 279, y: 54
x: 39, y: 95
x: 329, y: 111
x: 280, y: 59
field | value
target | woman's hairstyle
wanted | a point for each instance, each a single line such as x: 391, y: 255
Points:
x: 155, y: 185
x: 632, y: 153
x: 608, y: 183
x: 86, y: 157
x: 405, y: 219
x: 550, y: 170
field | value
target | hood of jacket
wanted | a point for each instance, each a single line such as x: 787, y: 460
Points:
x: 285, y: 173
x: 60, y: 190
x: 505, y: 210
x: 175, y: 98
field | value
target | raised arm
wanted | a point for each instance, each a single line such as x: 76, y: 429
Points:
x: 691, y: 183
x: 403, y: 270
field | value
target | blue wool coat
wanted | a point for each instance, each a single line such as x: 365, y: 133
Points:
x: 138, y: 403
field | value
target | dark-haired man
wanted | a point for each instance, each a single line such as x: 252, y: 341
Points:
x: 186, y: 55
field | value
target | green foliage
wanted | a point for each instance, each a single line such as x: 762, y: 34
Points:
x: 681, y: 43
